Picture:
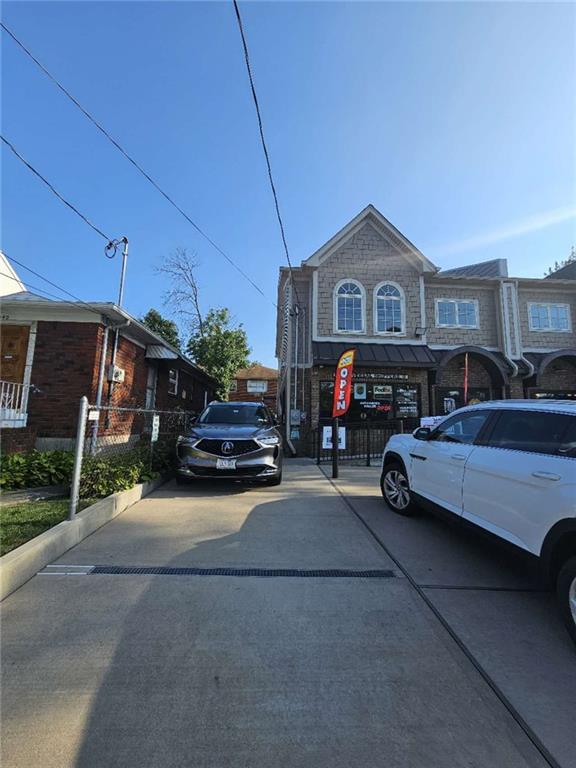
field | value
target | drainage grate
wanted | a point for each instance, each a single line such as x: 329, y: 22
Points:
x: 159, y: 570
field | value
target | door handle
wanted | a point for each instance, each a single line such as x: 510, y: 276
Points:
x: 459, y: 456
x: 546, y: 475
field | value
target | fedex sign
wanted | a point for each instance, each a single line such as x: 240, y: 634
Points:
x: 343, y: 383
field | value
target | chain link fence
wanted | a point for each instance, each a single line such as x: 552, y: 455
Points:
x: 116, y: 448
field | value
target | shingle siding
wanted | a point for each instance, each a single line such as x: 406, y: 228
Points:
x: 486, y: 335
x: 546, y: 339
x: 369, y: 259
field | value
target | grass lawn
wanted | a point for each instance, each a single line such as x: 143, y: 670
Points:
x: 21, y: 522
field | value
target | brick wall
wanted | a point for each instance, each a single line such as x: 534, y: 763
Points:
x: 65, y: 358
x: 242, y: 393
x: 190, y: 393
x: 370, y: 259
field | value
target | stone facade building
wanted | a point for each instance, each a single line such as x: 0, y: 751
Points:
x: 417, y: 329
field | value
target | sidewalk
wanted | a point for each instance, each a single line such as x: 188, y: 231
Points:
x: 167, y: 671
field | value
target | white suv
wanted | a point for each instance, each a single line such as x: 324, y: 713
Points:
x: 506, y: 466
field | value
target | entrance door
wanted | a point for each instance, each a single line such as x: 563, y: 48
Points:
x: 13, y: 352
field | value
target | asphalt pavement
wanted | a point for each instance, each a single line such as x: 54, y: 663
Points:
x: 240, y: 626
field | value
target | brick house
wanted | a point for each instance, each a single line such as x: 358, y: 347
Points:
x: 54, y: 352
x: 256, y: 383
x: 415, y: 328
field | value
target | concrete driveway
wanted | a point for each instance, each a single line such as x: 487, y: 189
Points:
x: 318, y: 668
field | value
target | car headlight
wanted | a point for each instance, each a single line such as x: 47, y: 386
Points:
x: 269, y: 440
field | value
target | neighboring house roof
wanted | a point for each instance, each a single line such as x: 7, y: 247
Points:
x: 567, y: 272
x: 257, y: 372
x: 492, y: 268
x: 377, y: 355
x: 10, y: 282
x: 106, y: 312
x: 24, y: 296
x: 371, y: 215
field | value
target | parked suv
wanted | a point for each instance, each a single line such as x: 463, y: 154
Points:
x: 237, y: 440
x: 508, y: 467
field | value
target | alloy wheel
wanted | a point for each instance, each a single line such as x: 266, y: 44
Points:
x: 396, y: 489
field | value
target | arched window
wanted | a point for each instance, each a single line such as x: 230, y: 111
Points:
x: 349, y: 307
x: 389, y: 309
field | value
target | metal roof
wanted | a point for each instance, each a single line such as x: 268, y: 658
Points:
x: 492, y: 268
x: 375, y: 355
x: 567, y: 272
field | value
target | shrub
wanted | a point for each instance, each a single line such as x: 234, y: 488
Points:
x: 23, y: 470
x: 102, y: 474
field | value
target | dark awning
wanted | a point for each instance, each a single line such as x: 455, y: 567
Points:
x: 375, y: 355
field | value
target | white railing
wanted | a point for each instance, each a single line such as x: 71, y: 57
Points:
x: 13, y: 404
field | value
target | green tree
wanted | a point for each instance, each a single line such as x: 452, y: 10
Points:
x: 163, y: 327
x: 220, y: 348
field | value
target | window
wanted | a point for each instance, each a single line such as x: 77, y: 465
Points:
x: 257, y: 386
x: 349, y: 307
x: 462, y: 429
x: 229, y: 413
x: 549, y: 317
x: 568, y: 447
x: 233, y: 386
x: 389, y: 310
x: 531, y: 431
x: 452, y: 313
x: 172, y: 382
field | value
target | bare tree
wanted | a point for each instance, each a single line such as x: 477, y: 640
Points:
x: 183, y: 296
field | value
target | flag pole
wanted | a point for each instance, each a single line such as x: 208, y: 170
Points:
x: 335, y: 447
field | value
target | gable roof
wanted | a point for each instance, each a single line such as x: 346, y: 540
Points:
x: 567, y: 272
x: 257, y: 372
x: 491, y: 268
x: 372, y: 216
x: 110, y: 314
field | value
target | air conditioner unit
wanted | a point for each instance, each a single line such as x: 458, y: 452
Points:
x: 115, y: 374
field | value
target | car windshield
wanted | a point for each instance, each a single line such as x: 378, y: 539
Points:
x: 233, y: 414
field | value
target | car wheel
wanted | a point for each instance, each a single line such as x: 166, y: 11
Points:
x: 566, y: 593
x: 396, y: 490
x: 274, y: 480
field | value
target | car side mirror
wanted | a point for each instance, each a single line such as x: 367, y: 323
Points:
x: 422, y: 433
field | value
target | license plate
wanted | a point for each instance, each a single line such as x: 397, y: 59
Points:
x: 225, y: 463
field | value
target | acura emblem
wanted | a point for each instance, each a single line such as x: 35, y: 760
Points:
x: 227, y: 447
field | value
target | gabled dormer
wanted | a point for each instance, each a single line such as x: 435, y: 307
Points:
x: 367, y: 282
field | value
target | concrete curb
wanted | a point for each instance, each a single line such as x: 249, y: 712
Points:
x: 20, y: 565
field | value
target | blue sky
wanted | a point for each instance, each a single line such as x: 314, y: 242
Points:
x: 457, y: 120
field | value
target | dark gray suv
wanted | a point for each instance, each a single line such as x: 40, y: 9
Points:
x: 234, y: 440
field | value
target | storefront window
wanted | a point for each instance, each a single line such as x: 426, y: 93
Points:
x: 374, y: 400
x: 448, y: 399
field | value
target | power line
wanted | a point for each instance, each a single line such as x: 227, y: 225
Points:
x: 138, y: 167
x: 53, y: 190
x: 79, y: 304
x: 263, y: 142
x: 46, y: 280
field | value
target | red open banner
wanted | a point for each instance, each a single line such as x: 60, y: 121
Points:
x: 343, y: 383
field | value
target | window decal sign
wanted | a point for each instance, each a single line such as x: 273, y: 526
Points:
x: 343, y: 383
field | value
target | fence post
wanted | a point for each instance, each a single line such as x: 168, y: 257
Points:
x: 401, y: 427
x: 78, y: 454
x: 367, y: 442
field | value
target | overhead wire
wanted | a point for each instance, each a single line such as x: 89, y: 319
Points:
x: 136, y: 165
x: 61, y: 197
x: 264, y: 145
